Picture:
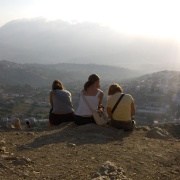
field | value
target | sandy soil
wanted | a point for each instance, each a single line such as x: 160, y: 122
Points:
x: 90, y: 152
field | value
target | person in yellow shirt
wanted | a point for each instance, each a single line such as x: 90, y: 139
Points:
x: 120, y: 113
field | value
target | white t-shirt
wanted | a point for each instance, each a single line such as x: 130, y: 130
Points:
x: 83, y: 109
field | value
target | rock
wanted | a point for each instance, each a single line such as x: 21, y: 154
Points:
x: 144, y: 138
x: 26, y: 147
x: 30, y: 133
x: 3, y: 149
x: 71, y: 145
x: 12, y: 126
x: 3, y: 166
x: 110, y: 170
x: 27, y: 160
x: 158, y: 133
x: 36, y: 172
x: 2, y: 142
x: 21, y: 161
x: 7, y: 157
x: 26, y: 175
x: 16, y: 133
x: 146, y: 128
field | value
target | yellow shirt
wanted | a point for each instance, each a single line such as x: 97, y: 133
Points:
x: 123, y: 110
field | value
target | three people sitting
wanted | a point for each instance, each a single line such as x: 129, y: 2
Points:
x: 119, y: 112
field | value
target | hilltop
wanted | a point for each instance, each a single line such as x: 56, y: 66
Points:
x: 38, y: 75
x: 90, y: 152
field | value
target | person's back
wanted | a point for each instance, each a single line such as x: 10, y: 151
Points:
x: 121, y: 116
x: 123, y: 109
x: 61, y: 103
x: 93, y: 95
x: 93, y: 100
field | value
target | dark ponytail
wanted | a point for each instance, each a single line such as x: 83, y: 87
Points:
x: 91, y: 80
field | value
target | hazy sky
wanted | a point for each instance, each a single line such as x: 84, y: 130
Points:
x: 150, y: 18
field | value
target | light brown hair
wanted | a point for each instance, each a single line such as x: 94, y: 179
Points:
x: 114, y: 88
x: 57, y: 85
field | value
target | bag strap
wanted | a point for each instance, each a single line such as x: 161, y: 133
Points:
x: 85, y: 100
x: 115, y: 106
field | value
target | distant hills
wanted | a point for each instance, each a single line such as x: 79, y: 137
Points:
x: 42, y: 75
x: 39, y: 75
x: 51, y: 42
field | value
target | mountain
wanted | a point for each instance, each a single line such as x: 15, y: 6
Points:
x: 163, y: 77
x: 52, y: 42
x: 43, y: 74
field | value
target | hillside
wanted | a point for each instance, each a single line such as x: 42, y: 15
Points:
x: 165, y: 77
x: 90, y: 152
x: 43, y: 75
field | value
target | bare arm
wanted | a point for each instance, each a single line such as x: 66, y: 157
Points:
x: 109, y: 112
x: 100, y: 98
x: 51, y: 101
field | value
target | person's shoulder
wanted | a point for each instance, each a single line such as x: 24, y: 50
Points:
x: 66, y: 91
x: 100, y: 91
x: 128, y: 95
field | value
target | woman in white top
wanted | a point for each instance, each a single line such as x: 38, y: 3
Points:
x: 94, y: 96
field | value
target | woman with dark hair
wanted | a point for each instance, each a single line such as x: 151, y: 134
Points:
x: 121, y: 116
x: 94, y: 96
x: 61, y: 103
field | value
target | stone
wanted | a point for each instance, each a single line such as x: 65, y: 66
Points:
x: 3, y: 166
x: 72, y: 145
x: 146, y: 128
x: 2, y: 142
x: 3, y: 149
x: 110, y: 170
x: 158, y: 133
x: 26, y: 175
x: 30, y: 133
x: 21, y: 161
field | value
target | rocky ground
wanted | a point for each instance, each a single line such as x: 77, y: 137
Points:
x: 90, y: 152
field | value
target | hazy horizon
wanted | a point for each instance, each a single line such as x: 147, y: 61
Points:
x: 51, y: 42
x: 134, y: 35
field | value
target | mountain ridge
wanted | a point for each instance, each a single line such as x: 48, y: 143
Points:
x: 12, y: 73
x: 38, y: 40
x: 43, y: 74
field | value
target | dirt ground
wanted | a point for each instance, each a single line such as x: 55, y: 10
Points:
x: 89, y: 152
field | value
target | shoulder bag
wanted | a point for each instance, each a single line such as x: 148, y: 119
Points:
x: 99, y: 116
